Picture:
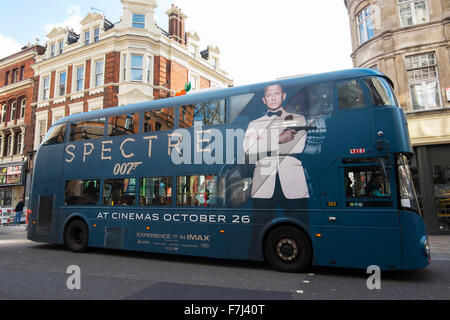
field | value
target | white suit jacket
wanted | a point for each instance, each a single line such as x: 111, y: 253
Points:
x: 261, y: 143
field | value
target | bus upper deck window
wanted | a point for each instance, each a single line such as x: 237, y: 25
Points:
x: 208, y: 113
x: 57, y: 134
x: 123, y: 124
x: 86, y: 130
x: 159, y: 120
x: 380, y: 92
x: 351, y: 95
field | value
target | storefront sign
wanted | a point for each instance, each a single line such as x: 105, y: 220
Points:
x: 12, y: 175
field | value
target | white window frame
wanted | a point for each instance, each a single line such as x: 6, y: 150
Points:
x: 76, y: 80
x: 412, y: 7
x: 13, y: 111
x: 136, y: 68
x: 87, y: 40
x: 138, y: 23
x: 52, y: 49
x: 95, y: 79
x: 194, y: 79
x: 58, y: 87
x: 61, y: 46
x: 96, y: 37
x: 45, y: 90
x: 23, y: 105
x: 362, y: 18
x: 3, y: 113
x: 420, y: 72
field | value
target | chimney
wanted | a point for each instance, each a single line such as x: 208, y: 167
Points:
x: 176, y: 24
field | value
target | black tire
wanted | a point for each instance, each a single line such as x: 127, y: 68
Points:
x: 77, y: 236
x: 288, y: 249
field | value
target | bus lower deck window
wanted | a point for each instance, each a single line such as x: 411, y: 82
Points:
x: 82, y: 192
x: 119, y: 192
x: 197, y: 191
x: 156, y: 191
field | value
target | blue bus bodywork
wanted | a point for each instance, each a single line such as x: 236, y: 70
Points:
x: 335, y: 224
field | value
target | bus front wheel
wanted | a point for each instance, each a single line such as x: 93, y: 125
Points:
x: 77, y: 236
x: 288, y: 249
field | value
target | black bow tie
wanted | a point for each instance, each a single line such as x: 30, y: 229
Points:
x: 271, y: 114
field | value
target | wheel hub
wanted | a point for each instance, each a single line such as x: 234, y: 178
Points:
x: 287, y: 249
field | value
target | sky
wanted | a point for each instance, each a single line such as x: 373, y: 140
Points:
x: 259, y: 40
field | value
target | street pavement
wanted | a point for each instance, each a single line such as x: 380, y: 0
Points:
x: 37, y: 271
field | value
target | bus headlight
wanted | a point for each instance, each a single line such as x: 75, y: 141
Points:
x: 426, y: 246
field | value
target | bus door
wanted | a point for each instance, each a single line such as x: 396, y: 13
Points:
x: 361, y: 228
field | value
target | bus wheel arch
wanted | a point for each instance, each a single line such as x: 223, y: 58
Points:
x: 287, y: 247
x: 76, y: 234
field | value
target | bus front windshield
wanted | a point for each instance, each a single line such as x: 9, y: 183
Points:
x: 408, y: 196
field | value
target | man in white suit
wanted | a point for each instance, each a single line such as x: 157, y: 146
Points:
x: 271, y: 140
x: 279, y: 179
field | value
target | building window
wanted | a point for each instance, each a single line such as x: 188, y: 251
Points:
x: 61, y: 47
x: 99, y: 73
x: 124, y: 67
x: 22, y: 73
x: 365, y: 24
x: 2, y: 119
x: 18, y: 143
x: 136, y: 67
x: 138, y: 21
x: 23, y: 104
x: 96, y: 34
x: 149, y: 69
x: 80, y: 78
x: 42, y: 130
x: 423, y: 81
x: 87, y: 37
x: 9, y: 145
x: 62, y: 84
x: 52, y: 50
x: 15, y: 75
x: 46, y: 88
x: 413, y: 12
x: 7, y: 78
x: 13, y: 111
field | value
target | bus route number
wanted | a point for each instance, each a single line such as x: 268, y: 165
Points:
x: 125, y: 168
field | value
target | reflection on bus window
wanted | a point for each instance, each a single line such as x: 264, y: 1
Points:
x: 208, y: 113
x: 380, y: 92
x: 57, y: 134
x: 119, y: 192
x: 197, y: 191
x: 156, y: 191
x: 366, y: 182
x: 350, y: 95
x: 86, y: 130
x: 123, y: 124
x: 82, y: 192
x: 159, y: 120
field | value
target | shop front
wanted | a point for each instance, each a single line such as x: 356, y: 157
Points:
x: 12, y: 184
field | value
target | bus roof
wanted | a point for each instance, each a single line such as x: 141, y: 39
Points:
x: 220, y: 93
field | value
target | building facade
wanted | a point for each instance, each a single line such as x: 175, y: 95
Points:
x: 408, y: 40
x: 16, y: 126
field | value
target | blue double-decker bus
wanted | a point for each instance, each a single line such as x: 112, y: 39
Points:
x: 311, y: 170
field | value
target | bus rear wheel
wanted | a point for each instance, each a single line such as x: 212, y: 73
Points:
x: 287, y: 249
x: 77, y: 236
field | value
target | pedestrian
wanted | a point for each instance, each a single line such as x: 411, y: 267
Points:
x: 19, y: 212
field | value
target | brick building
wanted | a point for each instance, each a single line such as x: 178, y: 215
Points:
x: 409, y: 41
x: 16, y: 126
x: 109, y: 64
